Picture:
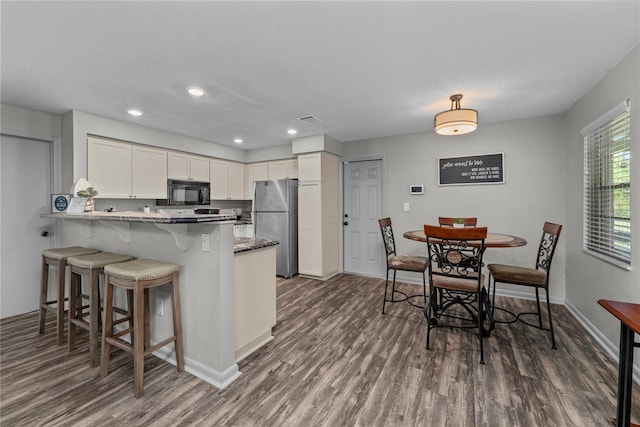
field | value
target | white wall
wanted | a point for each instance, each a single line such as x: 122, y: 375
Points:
x: 77, y: 125
x: 534, y: 169
x: 34, y: 124
x: 589, y: 278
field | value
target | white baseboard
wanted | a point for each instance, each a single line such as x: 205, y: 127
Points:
x: 216, y: 378
x: 612, y: 349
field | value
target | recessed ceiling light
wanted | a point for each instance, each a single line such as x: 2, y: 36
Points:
x: 195, y: 91
x: 134, y: 112
x: 292, y: 131
x: 238, y: 141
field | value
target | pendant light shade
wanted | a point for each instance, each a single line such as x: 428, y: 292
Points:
x: 456, y: 121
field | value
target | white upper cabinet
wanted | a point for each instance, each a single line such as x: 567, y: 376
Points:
x: 149, y: 173
x: 227, y: 180
x: 264, y: 171
x: 255, y: 172
x: 121, y: 170
x: 310, y: 167
x: 281, y: 169
x: 187, y: 167
x: 109, y: 167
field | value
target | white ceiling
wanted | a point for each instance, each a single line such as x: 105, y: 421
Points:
x: 365, y: 69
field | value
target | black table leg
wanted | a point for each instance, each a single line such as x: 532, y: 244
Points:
x: 625, y: 373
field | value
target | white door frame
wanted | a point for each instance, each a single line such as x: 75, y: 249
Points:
x: 343, y: 160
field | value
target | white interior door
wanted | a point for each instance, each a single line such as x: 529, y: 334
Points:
x: 363, y: 249
x: 25, y: 181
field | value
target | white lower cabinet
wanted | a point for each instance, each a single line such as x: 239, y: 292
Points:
x: 120, y: 170
x: 318, y: 216
x: 255, y: 276
x: 309, y: 229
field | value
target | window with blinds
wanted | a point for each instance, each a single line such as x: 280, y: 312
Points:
x: 607, y: 186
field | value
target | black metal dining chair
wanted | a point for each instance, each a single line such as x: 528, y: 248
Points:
x: 455, y: 275
x: 396, y: 262
x: 537, y: 277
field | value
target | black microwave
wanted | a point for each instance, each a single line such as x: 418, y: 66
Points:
x: 182, y: 193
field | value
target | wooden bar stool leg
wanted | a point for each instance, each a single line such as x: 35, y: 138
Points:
x: 177, y: 323
x: 107, y: 326
x: 139, y: 340
x: 60, y: 307
x: 44, y: 284
x: 94, y: 316
x: 74, y: 291
x: 147, y: 321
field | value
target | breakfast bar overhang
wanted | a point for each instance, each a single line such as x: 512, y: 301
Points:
x: 203, y: 247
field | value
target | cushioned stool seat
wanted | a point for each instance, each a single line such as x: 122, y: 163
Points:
x: 56, y: 257
x: 140, y: 275
x: 91, y: 266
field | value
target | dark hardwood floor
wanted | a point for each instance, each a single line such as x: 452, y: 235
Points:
x: 335, y: 360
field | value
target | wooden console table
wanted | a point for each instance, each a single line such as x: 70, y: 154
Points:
x: 629, y: 316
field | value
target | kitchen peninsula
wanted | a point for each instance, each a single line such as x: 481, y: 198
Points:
x: 217, y: 333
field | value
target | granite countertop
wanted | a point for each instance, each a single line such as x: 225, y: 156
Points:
x: 243, y: 244
x: 134, y: 216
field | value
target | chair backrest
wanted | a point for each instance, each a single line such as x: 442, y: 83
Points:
x: 548, y: 243
x: 455, y: 252
x: 387, y: 236
x: 448, y: 222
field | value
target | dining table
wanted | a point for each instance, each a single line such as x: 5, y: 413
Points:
x: 493, y: 240
x: 629, y: 316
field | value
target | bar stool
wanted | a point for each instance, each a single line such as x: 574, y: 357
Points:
x: 140, y: 275
x: 56, y: 257
x: 90, y: 266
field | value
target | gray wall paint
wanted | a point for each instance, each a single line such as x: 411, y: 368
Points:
x: 533, y: 166
x: 589, y: 278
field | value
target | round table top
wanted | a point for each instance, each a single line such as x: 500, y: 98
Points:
x: 493, y: 240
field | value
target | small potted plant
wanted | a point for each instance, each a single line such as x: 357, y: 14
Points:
x: 89, y: 193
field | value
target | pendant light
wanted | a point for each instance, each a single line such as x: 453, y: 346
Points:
x: 456, y: 121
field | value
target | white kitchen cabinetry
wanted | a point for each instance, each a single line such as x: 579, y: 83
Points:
x: 149, y: 173
x: 120, y: 170
x: 188, y: 167
x: 227, y: 180
x: 281, y: 169
x: 255, y: 172
x: 318, y: 215
x: 255, y: 276
x: 263, y: 171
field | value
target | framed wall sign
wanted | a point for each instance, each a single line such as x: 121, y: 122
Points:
x: 60, y: 202
x: 470, y: 170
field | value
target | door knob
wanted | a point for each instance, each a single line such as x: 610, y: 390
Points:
x: 345, y: 223
x: 44, y: 233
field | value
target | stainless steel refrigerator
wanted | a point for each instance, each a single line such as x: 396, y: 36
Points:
x: 275, y: 216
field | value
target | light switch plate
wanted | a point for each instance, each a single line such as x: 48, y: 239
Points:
x: 406, y: 206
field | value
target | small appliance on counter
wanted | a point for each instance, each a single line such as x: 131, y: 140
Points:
x: 181, y: 193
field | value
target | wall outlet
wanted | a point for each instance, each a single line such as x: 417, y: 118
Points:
x: 205, y: 243
x: 159, y: 307
x: 406, y: 206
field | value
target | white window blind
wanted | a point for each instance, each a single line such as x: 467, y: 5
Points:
x: 607, y: 186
